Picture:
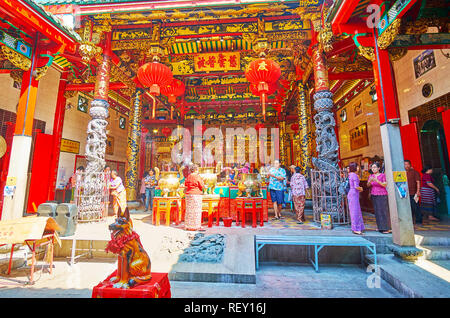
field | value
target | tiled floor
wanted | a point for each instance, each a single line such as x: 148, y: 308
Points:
x: 369, y: 221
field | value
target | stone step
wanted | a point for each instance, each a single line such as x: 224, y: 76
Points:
x: 435, y: 252
x: 422, y: 279
x: 430, y: 240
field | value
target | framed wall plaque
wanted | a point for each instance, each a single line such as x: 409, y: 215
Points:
x: 110, y: 145
x: 359, y: 137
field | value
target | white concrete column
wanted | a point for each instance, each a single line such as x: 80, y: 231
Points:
x: 400, y: 209
x: 13, y: 207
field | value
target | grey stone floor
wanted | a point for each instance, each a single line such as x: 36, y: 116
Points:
x: 272, y: 282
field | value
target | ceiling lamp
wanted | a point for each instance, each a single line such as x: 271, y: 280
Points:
x: 262, y: 73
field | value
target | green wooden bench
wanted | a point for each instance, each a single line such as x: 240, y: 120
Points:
x: 318, y: 242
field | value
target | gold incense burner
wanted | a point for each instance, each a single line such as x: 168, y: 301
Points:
x: 249, y: 185
x: 209, y: 177
x: 169, y: 183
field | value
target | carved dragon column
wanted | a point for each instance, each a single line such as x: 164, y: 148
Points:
x: 330, y: 200
x: 282, y: 128
x: 96, y: 135
x: 305, y: 133
x: 134, y: 141
x: 326, y: 141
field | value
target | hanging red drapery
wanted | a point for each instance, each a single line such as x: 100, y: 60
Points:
x: 155, y: 76
x: 262, y: 72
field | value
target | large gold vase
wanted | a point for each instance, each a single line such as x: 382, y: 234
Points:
x: 209, y: 178
x: 250, y: 185
x: 169, y: 183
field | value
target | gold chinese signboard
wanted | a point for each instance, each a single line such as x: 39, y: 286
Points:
x: 132, y: 34
x: 210, y: 62
x: 359, y: 137
x: 70, y: 146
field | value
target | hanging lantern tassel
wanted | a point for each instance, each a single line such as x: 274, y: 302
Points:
x: 263, y: 96
x: 154, y: 109
x: 171, y: 112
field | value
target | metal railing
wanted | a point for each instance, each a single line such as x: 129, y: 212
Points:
x: 328, y: 197
x: 92, y: 196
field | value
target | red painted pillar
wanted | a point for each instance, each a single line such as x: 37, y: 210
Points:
x: 14, y: 206
x: 446, y: 120
x: 386, y: 91
x: 58, y: 123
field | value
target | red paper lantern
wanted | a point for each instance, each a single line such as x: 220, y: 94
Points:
x: 295, y: 127
x: 261, y: 72
x: 173, y: 90
x: 166, y: 131
x: 154, y: 75
x: 144, y: 130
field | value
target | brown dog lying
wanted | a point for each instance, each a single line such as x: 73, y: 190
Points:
x: 134, y: 266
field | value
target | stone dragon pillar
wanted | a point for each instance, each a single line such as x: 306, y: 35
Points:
x: 133, y: 142
x: 326, y: 141
x: 327, y: 195
x: 94, y: 183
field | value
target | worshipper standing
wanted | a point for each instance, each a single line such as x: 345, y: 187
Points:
x: 119, y: 194
x: 142, y: 188
x: 285, y: 186
x: 353, y: 199
x: 413, y: 178
x: 193, y: 187
x: 298, y: 186
x: 428, y: 194
x: 75, y: 180
x: 277, y: 175
x: 150, y: 184
x: 379, y: 195
x: 107, y: 176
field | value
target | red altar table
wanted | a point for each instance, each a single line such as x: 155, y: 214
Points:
x: 171, y: 207
x: 157, y: 287
x: 210, y: 206
x: 252, y: 205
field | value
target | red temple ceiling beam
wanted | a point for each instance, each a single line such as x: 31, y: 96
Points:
x: 342, y: 46
x: 343, y: 14
x: 26, y: 15
x: 154, y: 122
x: 91, y: 86
x: 350, y: 75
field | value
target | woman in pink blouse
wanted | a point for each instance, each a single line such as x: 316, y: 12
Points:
x: 377, y: 183
x: 298, y: 185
